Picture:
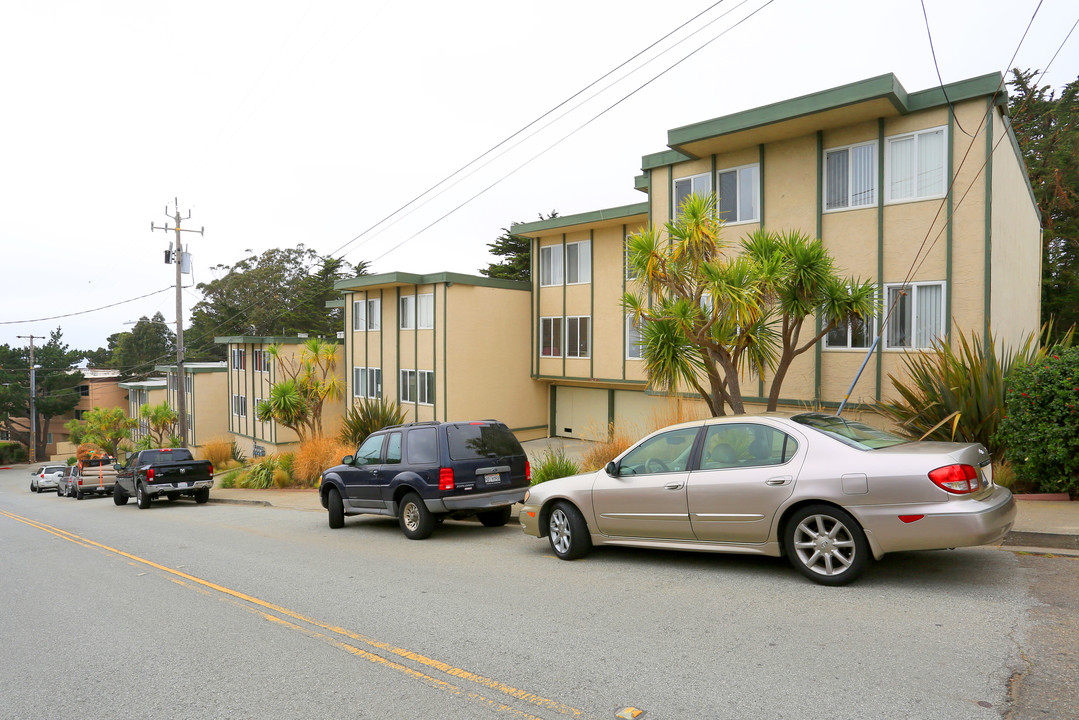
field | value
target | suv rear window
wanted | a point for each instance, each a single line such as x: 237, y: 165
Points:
x: 472, y: 442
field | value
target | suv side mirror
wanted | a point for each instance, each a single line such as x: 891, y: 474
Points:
x: 346, y: 460
x: 612, y: 468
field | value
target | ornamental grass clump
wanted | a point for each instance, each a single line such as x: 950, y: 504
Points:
x: 314, y: 456
x: 553, y: 464
x: 1040, y: 432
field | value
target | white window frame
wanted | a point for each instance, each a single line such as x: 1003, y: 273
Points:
x: 740, y: 190
x: 406, y: 311
x: 572, y: 342
x: 367, y: 382
x: 583, y: 269
x: 914, y: 292
x: 359, y: 315
x: 917, y: 135
x: 553, y: 264
x: 871, y: 330
x: 239, y: 405
x: 633, y: 345
x: 374, y: 314
x: 420, y: 381
x: 850, y: 177
x: 696, y: 187
x: 554, y: 335
x: 425, y: 311
x: 239, y: 359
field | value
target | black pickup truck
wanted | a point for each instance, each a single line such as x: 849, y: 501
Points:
x: 171, y: 472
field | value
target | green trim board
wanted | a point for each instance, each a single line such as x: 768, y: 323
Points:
x: 195, y: 368
x: 641, y: 182
x: 260, y: 340
x: 880, y: 247
x: 948, y: 210
x: 586, y: 218
x: 1007, y: 121
x: 402, y: 278
x: 819, y: 192
x: 589, y: 380
x: 661, y: 159
x: 339, y: 303
x: 988, y: 260
x: 882, y: 87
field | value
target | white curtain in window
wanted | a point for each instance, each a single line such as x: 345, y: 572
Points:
x: 931, y: 163
x: 901, y: 165
x: 748, y: 189
x: 836, y: 180
x: 359, y: 316
x: 929, y: 314
x: 374, y: 314
x: 426, y: 311
x: 863, y: 175
x: 408, y: 309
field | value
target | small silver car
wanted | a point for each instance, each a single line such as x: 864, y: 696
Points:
x: 46, y: 477
x: 823, y: 491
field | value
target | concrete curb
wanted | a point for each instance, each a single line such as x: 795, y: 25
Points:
x: 234, y: 501
x: 1041, y: 540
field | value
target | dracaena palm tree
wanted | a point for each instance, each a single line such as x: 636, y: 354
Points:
x: 309, y: 382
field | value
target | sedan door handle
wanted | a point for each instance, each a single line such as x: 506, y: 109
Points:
x: 674, y: 485
x: 782, y: 480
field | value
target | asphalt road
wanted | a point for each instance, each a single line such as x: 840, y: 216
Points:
x: 222, y: 611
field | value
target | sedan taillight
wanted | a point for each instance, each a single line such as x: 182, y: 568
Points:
x: 445, y: 478
x: 956, y: 479
x: 528, y: 472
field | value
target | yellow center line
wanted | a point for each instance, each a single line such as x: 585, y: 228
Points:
x: 519, y: 694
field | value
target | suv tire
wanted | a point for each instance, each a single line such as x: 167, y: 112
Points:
x: 336, y: 509
x: 495, y: 518
x: 415, y: 519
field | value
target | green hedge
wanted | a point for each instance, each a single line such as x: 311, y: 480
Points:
x: 1041, y: 429
x: 12, y: 452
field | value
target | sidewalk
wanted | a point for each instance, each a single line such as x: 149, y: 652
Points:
x: 1040, y: 526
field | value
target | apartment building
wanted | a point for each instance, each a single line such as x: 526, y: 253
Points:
x: 446, y: 346
x: 151, y: 391
x: 252, y: 371
x: 205, y: 385
x: 925, y: 193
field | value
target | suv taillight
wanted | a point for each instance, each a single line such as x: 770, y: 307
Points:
x: 150, y: 474
x: 445, y: 478
x: 957, y: 479
x: 528, y: 472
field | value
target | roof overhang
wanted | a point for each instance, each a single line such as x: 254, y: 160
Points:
x: 594, y: 219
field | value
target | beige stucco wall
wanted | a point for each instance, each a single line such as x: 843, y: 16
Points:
x: 209, y: 393
x: 1015, y: 309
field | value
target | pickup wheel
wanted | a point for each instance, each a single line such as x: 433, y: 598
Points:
x: 415, y: 519
x: 202, y: 495
x: 336, y: 509
x: 141, y: 497
x: 79, y: 494
x: 495, y: 518
x: 119, y: 497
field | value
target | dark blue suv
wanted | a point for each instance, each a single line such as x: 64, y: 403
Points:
x: 424, y: 472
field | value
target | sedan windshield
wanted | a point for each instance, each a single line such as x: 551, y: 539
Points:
x: 857, y: 435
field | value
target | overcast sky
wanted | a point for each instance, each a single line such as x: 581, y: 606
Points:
x: 278, y: 123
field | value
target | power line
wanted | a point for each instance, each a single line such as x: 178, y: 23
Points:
x: 936, y: 66
x: 85, y: 312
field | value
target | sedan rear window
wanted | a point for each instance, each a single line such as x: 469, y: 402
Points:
x: 472, y: 442
x: 849, y: 432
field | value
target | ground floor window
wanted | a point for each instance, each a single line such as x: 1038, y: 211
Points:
x: 915, y: 314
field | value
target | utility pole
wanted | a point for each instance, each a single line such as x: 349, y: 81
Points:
x: 33, y: 399
x: 177, y: 258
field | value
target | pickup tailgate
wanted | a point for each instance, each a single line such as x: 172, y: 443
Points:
x: 179, y: 474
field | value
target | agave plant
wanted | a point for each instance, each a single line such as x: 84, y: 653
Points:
x: 958, y: 394
x: 367, y: 416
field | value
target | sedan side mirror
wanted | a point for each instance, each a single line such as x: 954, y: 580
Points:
x: 117, y: 466
x: 346, y: 460
x: 612, y: 468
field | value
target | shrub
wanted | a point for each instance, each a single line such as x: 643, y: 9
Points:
x: 227, y: 480
x: 11, y: 452
x: 316, y: 455
x: 1041, y: 430
x: 367, y: 416
x: 553, y: 464
x: 959, y: 394
x: 218, y: 452
x: 261, y: 475
x: 599, y: 454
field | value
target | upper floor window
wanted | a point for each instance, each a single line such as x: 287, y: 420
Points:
x: 551, y: 337
x: 579, y: 262
x: 850, y: 176
x: 693, y: 185
x: 914, y: 165
x: 84, y: 391
x: 367, y: 315
x: 413, y: 317
x: 739, y: 194
x: 550, y: 265
x: 239, y: 358
x: 578, y: 333
x: 915, y: 315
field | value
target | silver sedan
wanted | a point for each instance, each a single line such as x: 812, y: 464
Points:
x: 823, y: 491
